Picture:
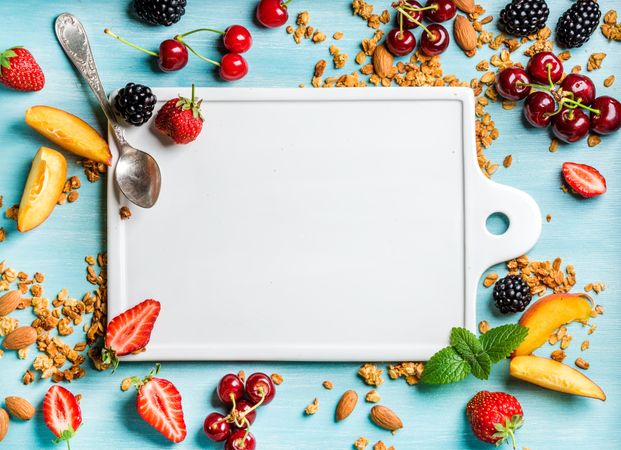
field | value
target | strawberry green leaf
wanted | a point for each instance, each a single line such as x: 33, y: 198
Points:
x: 499, y: 342
x: 445, y: 367
x: 470, y: 349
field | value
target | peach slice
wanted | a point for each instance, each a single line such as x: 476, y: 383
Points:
x: 547, y: 314
x: 70, y: 132
x: 554, y: 375
x: 43, y: 187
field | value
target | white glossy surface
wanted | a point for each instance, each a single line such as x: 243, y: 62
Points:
x: 308, y: 224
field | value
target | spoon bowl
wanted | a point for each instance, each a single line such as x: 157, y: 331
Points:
x: 137, y: 175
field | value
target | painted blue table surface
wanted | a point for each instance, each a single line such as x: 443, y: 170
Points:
x: 585, y: 233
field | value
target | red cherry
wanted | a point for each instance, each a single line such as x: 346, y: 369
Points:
x: 581, y: 86
x: 240, y: 441
x: 512, y: 83
x: 443, y: 10
x: 400, y: 43
x: 539, y: 65
x: 272, y: 13
x: 609, y: 118
x: 173, y: 55
x: 418, y: 15
x: 260, y: 386
x: 237, y: 39
x: 242, y: 406
x: 570, y: 125
x: 216, y: 427
x: 233, y: 67
x: 538, y: 108
x: 435, y: 41
x: 230, y: 387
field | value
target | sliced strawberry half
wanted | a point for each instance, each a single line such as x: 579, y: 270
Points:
x: 585, y: 180
x: 61, y: 413
x: 159, y: 404
x: 130, y: 331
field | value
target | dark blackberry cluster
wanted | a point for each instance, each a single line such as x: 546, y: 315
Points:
x: 512, y: 294
x: 524, y: 17
x: 135, y: 103
x: 162, y: 12
x: 578, y: 23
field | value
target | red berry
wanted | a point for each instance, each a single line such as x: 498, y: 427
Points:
x: 443, y: 10
x: 570, y: 125
x: 230, y: 388
x: 494, y: 416
x: 539, y: 65
x: 181, y: 119
x: 512, y: 83
x: 581, y: 86
x: 538, y: 108
x: 259, y: 387
x: 400, y: 43
x: 583, y: 179
x: 239, y: 440
x: 173, y: 55
x: 272, y: 13
x: 61, y: 412
x: 436, y: 41
x: 233, y: 67
x: 609, y: 118
x: 19, y: 70
x: 216, y: 427
x: 242, y: 407
x: 237, y: 39
x: 418, y: 15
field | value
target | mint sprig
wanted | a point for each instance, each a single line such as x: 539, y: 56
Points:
x: 469, y: 354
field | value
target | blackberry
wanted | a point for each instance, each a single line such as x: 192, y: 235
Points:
x: 135, y: 103
x: 512, y: 294
x: 524, y: 17
x: 578, y: 23
x: 162, y: 12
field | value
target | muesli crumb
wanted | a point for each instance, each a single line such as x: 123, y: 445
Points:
x: 328, y: 385
x: 484, y: 327
x: 312, y: 408
x: 125, y: 213
x: 372, y: 397
x: 371, y: 374
x: 361, y: 443
x: 277, y: 379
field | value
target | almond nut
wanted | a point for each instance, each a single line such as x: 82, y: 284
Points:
x: 466, y: 6
x: 465, y: 35
x: 382, y: 61
x: 9, y: 302
x: 19, y: 408
x: 346, y: 405
x: 20, y: 338
x: 385, y: 418
x: 4, y: 423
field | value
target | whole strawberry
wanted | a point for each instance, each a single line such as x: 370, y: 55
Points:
x: 494, y: 417
x: 20, y: 71
x: 181, y: 119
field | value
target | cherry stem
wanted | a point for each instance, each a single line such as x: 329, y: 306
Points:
x: 549, y: 67
x: 287, y: 2
x: 403, y: 13
x: 211, y: 61
x: 578, y: 103
x: 570, y: 102
x: 119, y: 38
x: 213, y: 30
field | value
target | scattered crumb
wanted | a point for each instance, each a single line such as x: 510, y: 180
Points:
x: 558, y: 355
x: 582, y: 364
x: 125, y: 213
x: 508, y: 161
x: 484, y: 327
x: 328, y: 385
x: 594, y: 140
x: 609, y: 81
x: 411, y: 371
x: 585, y: 345
x: 277, y: 379
x: 2, y: 234
x: 548, y: 218
x: 595, y: 61
x: 338, y: 36
x: 312, y: 408
x: 361, y: 443
x: 371, y: 374
x: 372, y: 397
x: 490, y: 279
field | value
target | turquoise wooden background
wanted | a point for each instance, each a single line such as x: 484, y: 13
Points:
x: 585, y: 233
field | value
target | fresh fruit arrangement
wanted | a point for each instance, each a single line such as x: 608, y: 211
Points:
x: 272, y: 13
x: 159, y: 403
x: 244, y: 399
x: 160, y: 12
x: 62, y: 413
x: 561, y: 106
x: 20, y: 71
x: 495, y: 417
x: 181, y: 119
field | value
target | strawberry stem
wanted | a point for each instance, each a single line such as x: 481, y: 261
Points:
x: 211, y: 61
x: 119, y: 38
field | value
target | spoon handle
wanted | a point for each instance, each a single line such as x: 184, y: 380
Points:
x: 74, y: 41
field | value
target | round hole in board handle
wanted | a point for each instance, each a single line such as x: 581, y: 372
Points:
x: 498, y: 223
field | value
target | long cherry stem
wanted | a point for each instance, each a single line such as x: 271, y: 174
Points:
x: 429, y: 33
x: 211, y: 61
x: 213, y: 30
x: 119, y: 38
x: 569, y: 101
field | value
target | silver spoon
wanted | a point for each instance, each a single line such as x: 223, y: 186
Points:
x: 137, y: 173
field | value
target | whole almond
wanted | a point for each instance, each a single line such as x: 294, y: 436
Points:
x: 9, y: 302
x: 466, y: 6
x: 465, y: 35
x: 382, y: 61
x: 385, y: 418
x: 20, y: 338
x: 19, y: 408
x: 4, y: 423
x: 346, y: 405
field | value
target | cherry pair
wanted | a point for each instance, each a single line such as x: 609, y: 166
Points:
x: 173, y: 53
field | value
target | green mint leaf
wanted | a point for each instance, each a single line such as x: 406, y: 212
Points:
x: 445, y: 367
x: 470, y: 349
x: 499, y: 342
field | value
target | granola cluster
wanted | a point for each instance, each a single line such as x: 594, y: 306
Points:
x: 610, y: 28
x: 304, y: 30
x: 543, y: 275
x: 365, y: 11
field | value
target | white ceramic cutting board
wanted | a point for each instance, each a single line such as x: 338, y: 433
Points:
x: 314, y: 224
